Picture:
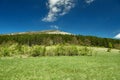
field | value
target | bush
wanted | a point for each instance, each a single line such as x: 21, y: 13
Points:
x: 60, y: 51
x: 50, y: 51
x: 38, y: 51
x: 72, y: 51
x: 9, y: 49
x: 85, y: 51
x: 25, y: 50
x: 5, y: 52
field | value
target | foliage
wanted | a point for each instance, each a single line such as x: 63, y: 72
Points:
x: 85, y: 51
x: 55, y: 39
x: 66, y: 50
x: 8, y: 49
x: 37, y: 50
x: 110, y: 45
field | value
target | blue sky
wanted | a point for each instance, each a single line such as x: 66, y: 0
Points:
x: 86, y: 17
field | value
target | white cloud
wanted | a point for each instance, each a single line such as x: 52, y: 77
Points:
x: 58, y: 8
x: 89, y: 1
x: 54, y: 27
x: 117, y: 36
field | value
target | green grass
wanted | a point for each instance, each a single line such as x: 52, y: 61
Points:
x: 100, y: 67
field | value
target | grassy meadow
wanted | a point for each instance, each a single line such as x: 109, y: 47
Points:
x: 102, y: 65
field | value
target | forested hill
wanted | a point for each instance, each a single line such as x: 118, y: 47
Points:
x: 36, y: 38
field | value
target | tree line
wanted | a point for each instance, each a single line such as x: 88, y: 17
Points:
x: 54, y: 39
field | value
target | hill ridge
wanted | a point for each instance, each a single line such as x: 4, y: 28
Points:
x: 43, y: 32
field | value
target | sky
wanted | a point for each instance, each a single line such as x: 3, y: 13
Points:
x: 85, y: 17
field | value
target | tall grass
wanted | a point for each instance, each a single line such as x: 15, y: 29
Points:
x: 37, y: 50
x: 85, y: 51
x: 9, y: 49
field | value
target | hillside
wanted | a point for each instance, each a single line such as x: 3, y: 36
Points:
x: 54, y: 37
x: 43, y: 32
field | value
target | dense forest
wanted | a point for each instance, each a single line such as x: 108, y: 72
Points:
x: 54, y: 39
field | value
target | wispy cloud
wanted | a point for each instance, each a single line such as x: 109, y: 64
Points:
x: 54, y: 27
x: 58, y: 8
x: 89, y: 1
x: 117, y: 36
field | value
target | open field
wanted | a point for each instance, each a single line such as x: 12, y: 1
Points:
x: 99, y: 67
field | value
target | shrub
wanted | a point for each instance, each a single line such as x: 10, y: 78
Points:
x: 5, y: 52
x: 85, y: 51
x: 50, y: 51
x: 72, y: 51
x: 13, y: 49
x: 38, y: 51
x: 9, y: 49
x: 60, y: 51
x: 25, y: 50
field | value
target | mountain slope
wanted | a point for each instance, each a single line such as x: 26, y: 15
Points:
x: 44, y: 32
